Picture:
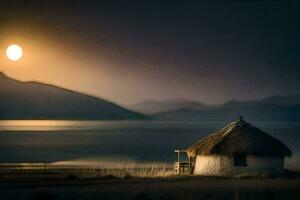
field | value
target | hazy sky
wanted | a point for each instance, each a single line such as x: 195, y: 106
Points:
x: 129, y: 51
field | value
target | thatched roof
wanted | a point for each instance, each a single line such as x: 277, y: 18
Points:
x: 239, y: 137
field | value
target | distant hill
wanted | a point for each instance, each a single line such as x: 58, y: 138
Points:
x: 33, y: 100
x: 276, y: 108
x: 285, y: 100
x: 154, y: 107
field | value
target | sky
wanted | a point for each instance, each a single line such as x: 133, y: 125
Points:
x: 131, y: 51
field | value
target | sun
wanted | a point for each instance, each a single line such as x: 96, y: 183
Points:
x: 14, y: 52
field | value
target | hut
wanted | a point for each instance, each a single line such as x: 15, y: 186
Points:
x: 239, y: 148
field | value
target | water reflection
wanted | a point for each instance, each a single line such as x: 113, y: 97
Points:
x: 59, y: 140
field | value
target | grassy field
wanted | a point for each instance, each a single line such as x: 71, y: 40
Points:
x: 144, y: 181
x: 86, y: 170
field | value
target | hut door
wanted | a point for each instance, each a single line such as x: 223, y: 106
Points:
x: 240, y: 160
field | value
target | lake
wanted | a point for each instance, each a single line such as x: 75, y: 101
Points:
x: 142, y: 141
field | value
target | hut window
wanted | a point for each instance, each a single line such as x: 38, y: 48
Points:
x: 240, y: 160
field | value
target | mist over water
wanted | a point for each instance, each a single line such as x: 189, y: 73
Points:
x: 114, y: 141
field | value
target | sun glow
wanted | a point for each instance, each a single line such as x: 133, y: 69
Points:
x: 14, y: 52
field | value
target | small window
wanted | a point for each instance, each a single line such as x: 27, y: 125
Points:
x: 240, y: 160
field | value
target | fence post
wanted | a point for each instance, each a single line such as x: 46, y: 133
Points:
x: 45, y: 167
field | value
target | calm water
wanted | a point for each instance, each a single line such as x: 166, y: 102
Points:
x: 50, y: 141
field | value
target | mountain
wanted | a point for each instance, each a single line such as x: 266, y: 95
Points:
x: 154, y: 107
x: 288, y: 100
x: 33, y: 100
x: 276, y: 108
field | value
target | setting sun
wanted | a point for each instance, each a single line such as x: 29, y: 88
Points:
x: 14, y: 52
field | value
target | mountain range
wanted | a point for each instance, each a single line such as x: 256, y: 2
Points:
x: 275, y: 108
x: 34, y: 100
x: 151, y: 107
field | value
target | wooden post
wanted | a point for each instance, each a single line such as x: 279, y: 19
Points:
x: 190, y: 165
x: 45, y: 167
x: 178, y: 160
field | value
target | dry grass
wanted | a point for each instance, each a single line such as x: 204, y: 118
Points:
x: 105, y: 169
x: 90, y: 169
x: 108, y: 180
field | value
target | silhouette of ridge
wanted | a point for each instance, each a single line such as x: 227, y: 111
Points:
x: 35, y: 100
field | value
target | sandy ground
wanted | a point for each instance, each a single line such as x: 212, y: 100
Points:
x: 149, y: 188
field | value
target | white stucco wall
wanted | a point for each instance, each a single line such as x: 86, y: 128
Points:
x: 224, y: 166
